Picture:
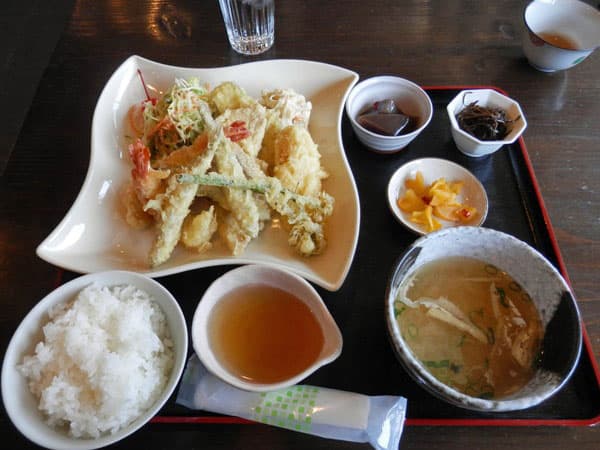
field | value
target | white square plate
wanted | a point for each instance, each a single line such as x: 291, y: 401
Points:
x: 94, y: 237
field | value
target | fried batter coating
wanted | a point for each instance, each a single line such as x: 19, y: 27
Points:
x: 284, y: 108
x: 135, y: 216
x: 304, y: 214
x: 222, y: 162
x: 198, y: 230
x: 232, y: 234
x: 173, y: 206
x: 255, y: 119
x: 290, y: 107
x: 147, y: 181
x: 298, y: 161
x: 184, y: 156
x: 239, y: 203
x: 229, y: 95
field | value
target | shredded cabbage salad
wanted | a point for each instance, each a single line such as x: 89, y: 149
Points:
x: 177, y: 118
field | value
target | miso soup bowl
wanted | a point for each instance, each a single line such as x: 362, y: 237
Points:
x: 550, y: 293
x: 278, y: 278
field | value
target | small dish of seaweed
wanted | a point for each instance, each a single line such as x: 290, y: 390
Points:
x: 483, y: 120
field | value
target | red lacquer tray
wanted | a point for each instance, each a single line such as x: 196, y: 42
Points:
x: 367, y: 364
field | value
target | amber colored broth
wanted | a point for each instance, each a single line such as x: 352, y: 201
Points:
x: 263, y: 334
x: 559, y: 40
x: 455, y: 357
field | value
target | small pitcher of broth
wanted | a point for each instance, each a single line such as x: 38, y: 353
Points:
x: 260, y: 329
x: 559, y: 34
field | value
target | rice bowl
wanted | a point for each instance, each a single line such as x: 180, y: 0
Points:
x: 137, y: 398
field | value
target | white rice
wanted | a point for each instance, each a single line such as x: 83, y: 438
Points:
x: 105, y: 359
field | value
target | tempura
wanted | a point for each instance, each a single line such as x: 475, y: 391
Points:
x: 218, y: 164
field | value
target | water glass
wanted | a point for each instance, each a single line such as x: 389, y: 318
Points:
x: 250, y: 24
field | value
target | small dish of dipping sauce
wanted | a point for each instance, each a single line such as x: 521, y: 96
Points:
x: 260, y: 328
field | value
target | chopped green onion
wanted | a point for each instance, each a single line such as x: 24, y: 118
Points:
x: 455, y: 368
x: 399, y: 308
x: 413, y: 331
x: 437, y: 364
x: 490, y: 335
x: 502, y: 295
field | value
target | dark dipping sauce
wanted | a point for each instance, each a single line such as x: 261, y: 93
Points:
x: 385, y: 118
x: 263, y: 334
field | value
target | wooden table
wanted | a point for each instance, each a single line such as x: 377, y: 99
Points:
x: 45, y: 144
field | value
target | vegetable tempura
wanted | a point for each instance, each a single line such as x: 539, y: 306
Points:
x: 217, y: 164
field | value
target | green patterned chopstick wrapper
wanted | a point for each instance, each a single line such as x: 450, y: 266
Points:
x: 324, y: 412
x: 291, y: 408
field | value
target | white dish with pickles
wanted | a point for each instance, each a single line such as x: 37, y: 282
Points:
x: 429, y: 194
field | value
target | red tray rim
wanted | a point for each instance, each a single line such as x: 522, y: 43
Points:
x: 230, y: 420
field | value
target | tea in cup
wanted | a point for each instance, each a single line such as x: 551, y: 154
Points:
x: 559, y: 34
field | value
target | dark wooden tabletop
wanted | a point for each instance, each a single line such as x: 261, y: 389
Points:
x: 57, y: 56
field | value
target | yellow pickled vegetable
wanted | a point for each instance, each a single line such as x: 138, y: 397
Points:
x: 411, y: 201
x: 417, y: 184
x: 425, y: 217
x: 438, y: 200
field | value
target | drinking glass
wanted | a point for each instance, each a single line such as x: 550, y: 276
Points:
x: 250, y: 24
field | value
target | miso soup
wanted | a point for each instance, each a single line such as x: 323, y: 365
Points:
x: 471, y: 325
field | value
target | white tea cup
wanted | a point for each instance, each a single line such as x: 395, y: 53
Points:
x: 559, y: 34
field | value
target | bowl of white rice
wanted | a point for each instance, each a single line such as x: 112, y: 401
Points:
x: 94, y: 361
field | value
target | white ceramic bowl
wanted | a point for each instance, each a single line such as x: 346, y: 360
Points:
x: 21, y: 405
x: 272, y: 276
x: 409, y: 97
x: 472, y: 193
x: 576, y: 23
x: 550, y: 293
x: 469, y: 144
